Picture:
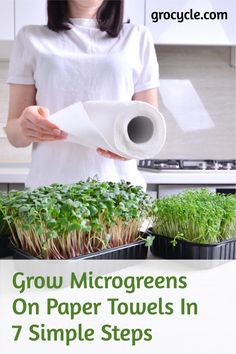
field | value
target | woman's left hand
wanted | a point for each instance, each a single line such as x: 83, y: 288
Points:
x: 110, y: 155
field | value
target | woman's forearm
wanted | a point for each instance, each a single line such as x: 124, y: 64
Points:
x: 149, y: 96
x: 14, y: 133
x: 20, y: 97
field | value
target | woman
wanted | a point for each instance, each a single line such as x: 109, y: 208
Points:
x: 84, y: 53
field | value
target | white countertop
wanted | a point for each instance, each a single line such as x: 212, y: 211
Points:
x: 13, y: 174
x: 16, y: 173
x: 191, y: 177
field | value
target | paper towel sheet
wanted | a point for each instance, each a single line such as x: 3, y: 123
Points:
x: 131, y: 129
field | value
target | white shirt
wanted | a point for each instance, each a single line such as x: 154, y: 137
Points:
x: 82, y: 64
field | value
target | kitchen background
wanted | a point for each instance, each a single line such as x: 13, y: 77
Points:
x: 197, y: 94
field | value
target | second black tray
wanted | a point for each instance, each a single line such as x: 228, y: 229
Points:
x: 163, y: 248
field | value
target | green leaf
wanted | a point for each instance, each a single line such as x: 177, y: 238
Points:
x: 149, y: 241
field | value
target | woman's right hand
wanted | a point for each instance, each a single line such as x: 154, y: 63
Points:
x: 35, y: 126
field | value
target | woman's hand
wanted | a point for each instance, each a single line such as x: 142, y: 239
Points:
x: 110, y: 155
x: 36, y: 128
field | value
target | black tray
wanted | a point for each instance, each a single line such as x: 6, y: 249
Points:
x: 5, y: 250
x: 163, y: 248
x: 136, y: 250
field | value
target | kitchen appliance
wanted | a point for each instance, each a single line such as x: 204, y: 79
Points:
x: 207, y: 170
x: 187, y: 165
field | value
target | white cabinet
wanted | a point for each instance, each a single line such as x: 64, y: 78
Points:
x: 17, y: 13
x: 29, y: 12
x: 135, y: 11
x: 6, y: 19
x: 192, y: 32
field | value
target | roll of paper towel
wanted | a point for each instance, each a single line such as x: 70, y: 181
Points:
x: 132, y: 129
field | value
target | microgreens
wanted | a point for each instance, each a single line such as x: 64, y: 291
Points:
x: 65, y: 221
x: 4, y: 228
x: 197, y: 216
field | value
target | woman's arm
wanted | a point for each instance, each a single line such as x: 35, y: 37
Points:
x: 148, y: 96
x: 27, y: 122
